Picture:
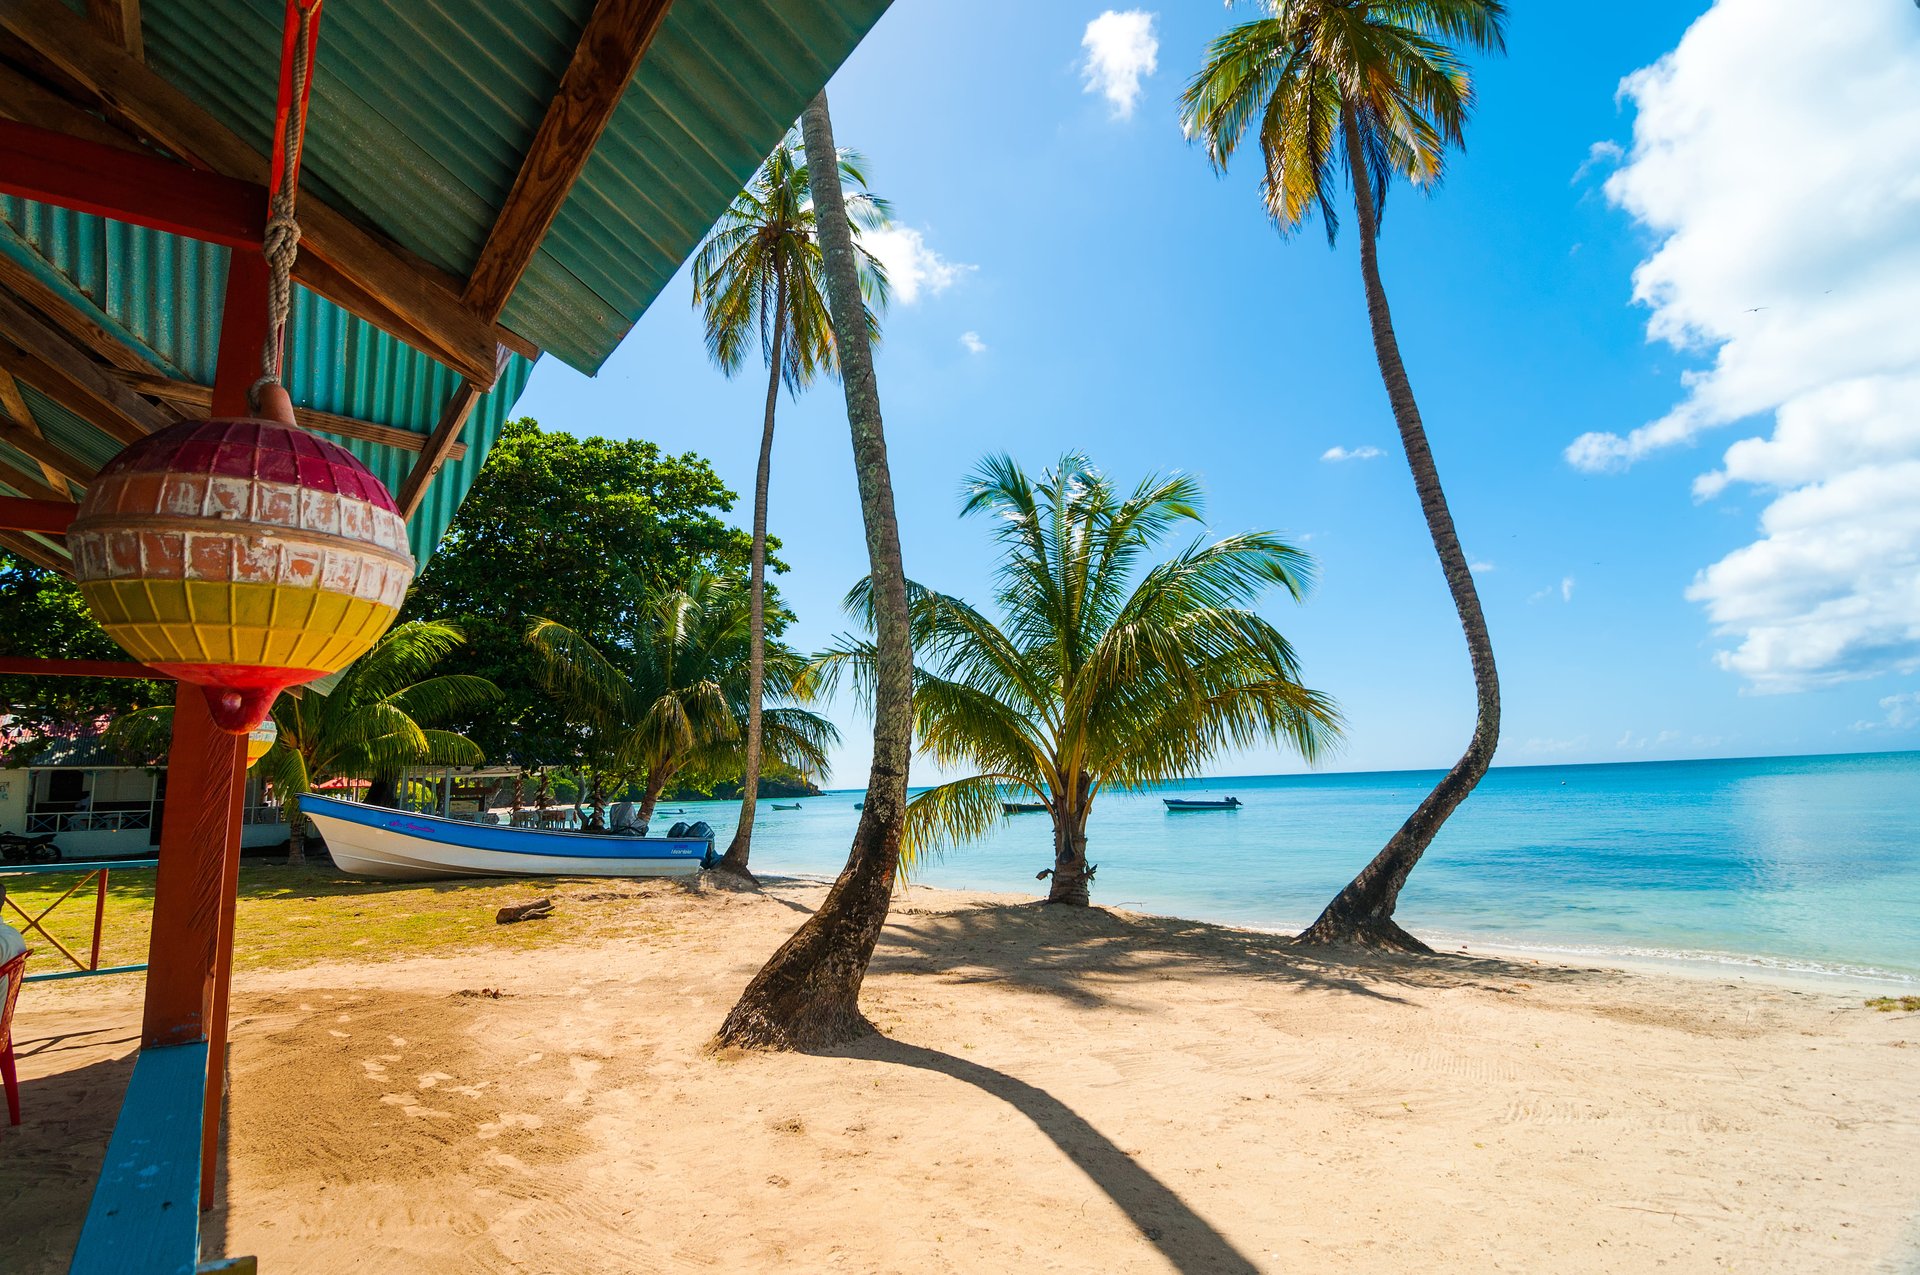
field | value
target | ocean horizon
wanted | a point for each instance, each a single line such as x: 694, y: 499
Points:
x: 1801, y: 866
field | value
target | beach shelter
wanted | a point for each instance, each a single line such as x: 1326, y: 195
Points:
x: 480, y: 183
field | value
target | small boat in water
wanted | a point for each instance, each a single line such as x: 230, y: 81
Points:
x: 1176, y: 804
x: 1022, y: 807
x: 794, y: 806
x: 398, y: 845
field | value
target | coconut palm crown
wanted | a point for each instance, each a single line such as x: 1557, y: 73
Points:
x: 1372, y: 90
x: 374, y: 720
x: 761, y: 275
x: 1105, y: 671
x: 667, y: 701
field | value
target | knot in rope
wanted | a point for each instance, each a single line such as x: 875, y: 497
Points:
x: 281, y: 243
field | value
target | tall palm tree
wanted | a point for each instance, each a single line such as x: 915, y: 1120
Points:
x: 1372, y: 90
x: 807, y: 995
x: 1101, y: 674
x: 667, y: 702
x: 759, y: 276
x: 373, y: 720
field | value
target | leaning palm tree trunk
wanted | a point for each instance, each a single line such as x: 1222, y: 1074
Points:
x: 1363, y: 912
x: 808, y: 994
x: 741, y: 846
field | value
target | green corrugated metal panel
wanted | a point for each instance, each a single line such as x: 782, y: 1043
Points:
x: 422, y: 112
x: 162, y: 295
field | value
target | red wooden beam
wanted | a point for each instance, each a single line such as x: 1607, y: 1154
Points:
x: 144, y: 190
x: 48, y: 517
x: 31, y: 666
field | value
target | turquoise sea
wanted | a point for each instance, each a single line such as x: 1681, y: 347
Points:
x: 1786, y: 864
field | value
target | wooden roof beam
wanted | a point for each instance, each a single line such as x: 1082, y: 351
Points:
x: 36, y: 552
x: 611, y: 45
x: 360, y: 270
x: 28, y: 485
x: 200, y: 397
x: 119, y: 21
x: 14, y: 404
x: 34, y: 350
x: 26, y: 439
x: 441, y: 447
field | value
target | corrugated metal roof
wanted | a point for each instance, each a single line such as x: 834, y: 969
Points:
x: 161, y: 295
x: 422, y: 112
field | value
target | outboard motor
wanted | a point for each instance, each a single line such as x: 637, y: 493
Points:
x: 679, y: 829
x: 702, y: 831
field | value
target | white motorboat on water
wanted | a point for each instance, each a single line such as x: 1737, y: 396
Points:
x: 398, y: 845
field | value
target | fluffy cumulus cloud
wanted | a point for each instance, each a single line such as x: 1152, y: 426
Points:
x: 913, y: 269
x: 972, y: 344
x: 1334, y: 455
x: 1902, y: 714
x: 1776, y: 161
x: 1122, y: 50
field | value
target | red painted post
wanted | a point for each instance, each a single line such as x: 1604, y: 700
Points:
x: 99, y: 917
x: 244, y: 328
x: 202, y: 821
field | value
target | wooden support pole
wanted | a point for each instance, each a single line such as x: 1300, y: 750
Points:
x: 199, y: 830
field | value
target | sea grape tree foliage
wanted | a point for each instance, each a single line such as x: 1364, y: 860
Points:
x: 579, y: 531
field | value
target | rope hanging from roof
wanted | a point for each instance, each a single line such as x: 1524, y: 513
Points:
x: 281, y: 245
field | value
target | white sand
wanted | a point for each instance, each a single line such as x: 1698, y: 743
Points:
x: 1053, y: 1092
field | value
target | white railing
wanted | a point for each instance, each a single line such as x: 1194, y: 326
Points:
x: 126, y: 820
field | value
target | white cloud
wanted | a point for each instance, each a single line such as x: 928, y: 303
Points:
x: 912, y: 267
x: 1902, y: 713
x: 1777, y: 161
x: 1564, y: 589
x: 1479, y: 568
x: 1629, y: 742
x: 972, y: 343
x: 1333, y: 455
x: 1599, y: 155
x: 1121, y: 50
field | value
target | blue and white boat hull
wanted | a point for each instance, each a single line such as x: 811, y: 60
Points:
x: 396, y: 845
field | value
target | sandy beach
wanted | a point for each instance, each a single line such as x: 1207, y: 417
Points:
x: 1051, y: 1091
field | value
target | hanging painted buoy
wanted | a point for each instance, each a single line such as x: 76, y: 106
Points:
x: 260, y: 740
x: 242, y: 555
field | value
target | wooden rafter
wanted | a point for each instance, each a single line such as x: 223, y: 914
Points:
x: 27, y: 440
x: 611, y: 46
x: 25, y: 99
x: 354, y: 267
x: 82, y: 328
x: 200, y: 397
x: 36, y: 552
x: 28, y: 485
x: 119, y: 21
x: 40, y: 354
x: 444, y: 445
x: 14, y: 404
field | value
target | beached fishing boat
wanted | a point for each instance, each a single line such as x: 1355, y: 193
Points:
x: 397, y: 845
x: 1175, y: 804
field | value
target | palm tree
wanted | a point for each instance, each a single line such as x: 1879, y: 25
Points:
x: 373, y: 720
x: 1101, y: 675
x: 1373, y: 89
x: 807, y: 995
x: 760, y: 275
x: 666, y: 702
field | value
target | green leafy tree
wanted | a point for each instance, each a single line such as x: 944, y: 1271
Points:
x: 43, y: 616
x: 667, y: 703
x: 1366, y: 91
x: 378, y: 719
x: 759, y: 279
x: 1104, y: 672
x: 576, y: 530
x: 807, y: 995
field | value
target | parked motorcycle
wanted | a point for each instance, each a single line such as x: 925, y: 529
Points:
x: 15, y: 848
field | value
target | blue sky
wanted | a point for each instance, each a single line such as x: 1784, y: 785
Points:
x: 1071, y: 274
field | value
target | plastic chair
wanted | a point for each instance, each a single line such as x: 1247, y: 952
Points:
x: 11, y: 975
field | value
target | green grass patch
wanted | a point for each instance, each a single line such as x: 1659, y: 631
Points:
x: 1888, y: 1004
x: 296, y: 916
